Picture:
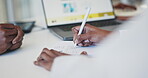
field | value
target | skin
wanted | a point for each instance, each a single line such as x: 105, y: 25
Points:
x: 91, y: 35
x: 47, y: 57
x: 124, y: 18
x: 11, y: 37
x: 124, y: 6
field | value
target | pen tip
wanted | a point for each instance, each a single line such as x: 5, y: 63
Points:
x: 75, y: 45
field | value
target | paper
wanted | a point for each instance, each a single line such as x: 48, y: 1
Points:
x: 69, y: 48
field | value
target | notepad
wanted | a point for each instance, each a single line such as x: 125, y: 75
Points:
x: 69, y: 48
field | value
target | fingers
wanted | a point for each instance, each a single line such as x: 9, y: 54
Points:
x: 7, y: 26
x: 75, y: 33
x: 91, y: 35
x: 125, y: 6
x: 44, y: 61
x: 85, y: 43
x: 83, y: 39
x: 8, y: 39
x: 78, y: 39
x: 19, y: 36
x: 75, y: 30
x: 84, y: 53
x: 43, y: 64
x: 9, y: 32
x: 58, y: 53
x: 47, y: 57
x: 16, y: 46
x: 50, y: 54
x: 5, y: 47
x: 5, y: 43
x: 123, y: 18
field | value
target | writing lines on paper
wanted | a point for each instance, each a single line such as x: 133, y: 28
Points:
x: 69, y: 48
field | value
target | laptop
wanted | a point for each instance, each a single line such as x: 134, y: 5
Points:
x: 62, y: 15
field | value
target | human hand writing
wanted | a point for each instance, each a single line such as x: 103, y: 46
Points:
x: 91, y: 35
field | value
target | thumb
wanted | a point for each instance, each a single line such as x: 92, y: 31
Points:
x: 19, y: 36
x: 43, y: 64
x: 75, y: 31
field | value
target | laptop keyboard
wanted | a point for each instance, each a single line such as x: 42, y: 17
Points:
x: 68, y: 28
x: 97, y: 24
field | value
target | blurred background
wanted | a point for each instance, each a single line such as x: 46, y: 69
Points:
x: 20, y: 10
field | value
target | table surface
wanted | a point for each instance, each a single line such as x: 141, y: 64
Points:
x: 19, y: 63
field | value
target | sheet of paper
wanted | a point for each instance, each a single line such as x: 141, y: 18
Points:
x: 69, y: 48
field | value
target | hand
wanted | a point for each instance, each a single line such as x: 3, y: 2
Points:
x: 17, y: 41
x: 47, y: 57
x: 124, y: 6
x: 10, y: 37
x: 91, y: 35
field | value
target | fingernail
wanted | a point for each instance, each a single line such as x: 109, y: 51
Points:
x: 84, y: 52
x: 45, y: 49
x: 35, y: 62
x: 86, y: 40
x: 13, y: 42
x: 80, y: 44
x: 75, y: 30
x: 52, y: 50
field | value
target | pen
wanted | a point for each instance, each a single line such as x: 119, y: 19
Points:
x: 84, y: 22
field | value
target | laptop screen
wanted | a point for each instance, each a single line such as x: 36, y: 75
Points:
x: 60, y: 12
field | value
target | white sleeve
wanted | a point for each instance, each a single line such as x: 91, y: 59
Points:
x: 122, y: 31
x: 67, y: 66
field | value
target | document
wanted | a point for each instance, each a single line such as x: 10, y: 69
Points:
x: 69, y: 48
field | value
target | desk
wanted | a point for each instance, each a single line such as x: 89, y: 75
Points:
x: 19, y: 63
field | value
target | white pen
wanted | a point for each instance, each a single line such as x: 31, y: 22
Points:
x: 84, y: 22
